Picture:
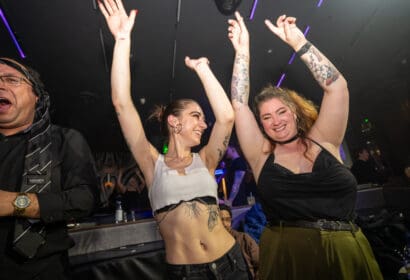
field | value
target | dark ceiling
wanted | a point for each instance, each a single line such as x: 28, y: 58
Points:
x: 69, y: 44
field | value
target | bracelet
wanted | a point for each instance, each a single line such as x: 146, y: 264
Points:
x: 304, y: 48
x: 122, y: 36
x: 202, y: 62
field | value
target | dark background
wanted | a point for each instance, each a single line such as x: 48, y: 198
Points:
x: 69, y: 44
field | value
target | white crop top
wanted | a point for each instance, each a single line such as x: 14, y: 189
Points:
x: 170, y: 188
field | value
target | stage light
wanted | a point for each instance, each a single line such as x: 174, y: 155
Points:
x: 16, y: 43
x: 255, y: 3
x: 227, y: 7
x: 165, y: 148
x: 282, y: 77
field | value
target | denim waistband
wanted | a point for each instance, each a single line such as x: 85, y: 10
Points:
x: 235, y: 249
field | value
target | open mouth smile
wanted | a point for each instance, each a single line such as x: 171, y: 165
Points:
x: 4, y: 104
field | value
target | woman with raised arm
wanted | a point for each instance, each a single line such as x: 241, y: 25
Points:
x: 182, y: 187
x: 307, y: 194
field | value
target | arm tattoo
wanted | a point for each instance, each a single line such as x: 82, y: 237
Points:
x: 225, y: 143
x: 220, y: 154
x: 226, y: 140
x: 240, y: 79
x: 213, y: 216
x: 325, y: 74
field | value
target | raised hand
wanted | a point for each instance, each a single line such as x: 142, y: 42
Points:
x: 238, y: 33
x: 119, y: 23
x: 287, y: 30
x: 193, y: 63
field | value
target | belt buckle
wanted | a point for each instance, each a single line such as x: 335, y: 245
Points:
x: 338, y: 225
x: 334, y: 225
x: 321, y: 223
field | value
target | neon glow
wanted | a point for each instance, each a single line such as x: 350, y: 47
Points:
x: 16, y: 43
x: 281, y: 80
x: 255, y: 3
x: 165, y: 148
x: 292, y: 58
x: 342, y: 153
x: 306, y: 30
x: 219, y: 172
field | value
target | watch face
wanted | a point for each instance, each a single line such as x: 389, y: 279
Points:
x: 22, y: 201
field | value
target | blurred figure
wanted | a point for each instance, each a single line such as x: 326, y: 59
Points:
x: 108, y: 185
x: 250, y: 248
x: 239, y: 185
x: 364, y: 168
x: 107, y: 168
x: 401, y: 180
x: 406, y: 175
x: 131, y: 185
x: 255, y: 222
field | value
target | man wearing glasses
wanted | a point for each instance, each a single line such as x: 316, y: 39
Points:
x: 47, y: 178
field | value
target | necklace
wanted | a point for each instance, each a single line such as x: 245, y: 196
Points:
x: 178, y: 158
x: 287, y: 141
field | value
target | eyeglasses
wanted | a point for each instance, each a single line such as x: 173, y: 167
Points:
x: 13, y: 80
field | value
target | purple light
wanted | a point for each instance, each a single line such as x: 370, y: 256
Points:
x: 292, y: 58
x: 281, y: 80
x: 6, y: 24
x: 319, y: 3
x: 306, y: 30
x: 342, y: 153
x: 255, y: 2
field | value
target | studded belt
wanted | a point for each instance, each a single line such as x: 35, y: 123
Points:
x: 321, y: 224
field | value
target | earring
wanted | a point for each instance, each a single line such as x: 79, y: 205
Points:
x: 177, y: 129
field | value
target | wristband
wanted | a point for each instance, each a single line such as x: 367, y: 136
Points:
x: 304, y: 48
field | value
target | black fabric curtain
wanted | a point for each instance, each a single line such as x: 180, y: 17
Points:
x: 141, y: 266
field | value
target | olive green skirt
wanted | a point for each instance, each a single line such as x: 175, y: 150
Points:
x: 304, y: 253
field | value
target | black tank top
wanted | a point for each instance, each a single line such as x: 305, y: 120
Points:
x: 328, y: 192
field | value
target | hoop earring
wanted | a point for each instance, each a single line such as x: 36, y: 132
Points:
x: 177, y: 129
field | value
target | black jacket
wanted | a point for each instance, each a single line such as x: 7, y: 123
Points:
x: 72, y: 196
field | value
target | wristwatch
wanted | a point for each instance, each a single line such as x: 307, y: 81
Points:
x: 20, y: 203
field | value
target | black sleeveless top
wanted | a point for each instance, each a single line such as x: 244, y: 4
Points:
x: 328, y: 192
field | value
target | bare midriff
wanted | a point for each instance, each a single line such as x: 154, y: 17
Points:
x: 193, y: 238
